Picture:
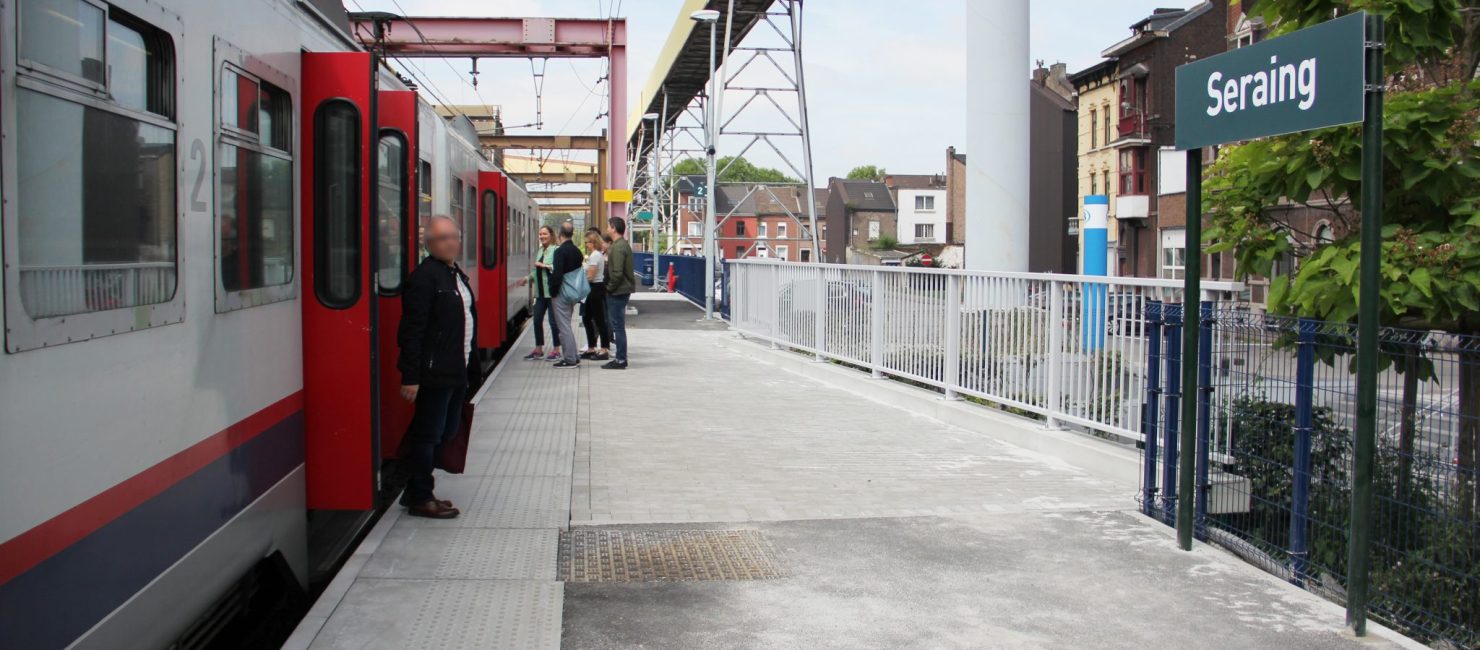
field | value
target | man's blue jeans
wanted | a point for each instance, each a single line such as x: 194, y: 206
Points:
x: 438, y: 414
x: 616, y: 314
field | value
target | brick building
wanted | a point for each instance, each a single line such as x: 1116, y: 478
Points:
x: 859, y: 215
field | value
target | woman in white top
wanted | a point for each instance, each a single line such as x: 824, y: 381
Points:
x: 593, y: 317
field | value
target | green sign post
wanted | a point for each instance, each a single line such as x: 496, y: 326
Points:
x: 1326, y: 75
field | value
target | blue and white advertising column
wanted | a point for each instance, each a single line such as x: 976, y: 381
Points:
x: 1095, y: 221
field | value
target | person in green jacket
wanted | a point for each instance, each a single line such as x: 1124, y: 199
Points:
x: 544, y: 260
x: 621, y: 281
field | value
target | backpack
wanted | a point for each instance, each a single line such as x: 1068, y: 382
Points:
x: 574, y: 287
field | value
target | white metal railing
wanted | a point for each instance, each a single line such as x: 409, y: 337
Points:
x: 1070, y: 348
x: 48, y: 291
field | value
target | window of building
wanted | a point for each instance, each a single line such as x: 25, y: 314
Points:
x: 336, y: 199
x: 868, y: 195
x: 781, y: 252
x: 696, y: 204
x: 760, y: 230
x: 739, y: 228
x: 390, y: 232
x: 1133, y: 171
x: 806, y: 254
x: 1324, y: 234
x: 1094, y: 183
x: 924, y: 232
x: 781, y: 230
x: 490, y: 230
x: 1213, y: 266
x: 1094, y: 128
x: 1173, y: 253
x: 739, y: 251
x: 254, y: 210
x: 1105, y: 118
x: 873, y: 230
x: 696, y: 229
x: 1105, y: 175
x: 96, y: 211
x: 924, y: 203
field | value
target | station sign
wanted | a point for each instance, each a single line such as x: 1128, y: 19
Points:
x: 616, y: 196
x: 1308, y: 79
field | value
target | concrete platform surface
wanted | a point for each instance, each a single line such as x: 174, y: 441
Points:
x: 888, y: 529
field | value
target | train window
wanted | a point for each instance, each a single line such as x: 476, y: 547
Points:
x: 254, y: 203
x: 424, y: 189
x: 96, y: 211
x: 470, y: 229
x: 490, y: 229
x: 65, y: 36
x: 391, y: 232
x: 336, y: 198
x: 140, y: 67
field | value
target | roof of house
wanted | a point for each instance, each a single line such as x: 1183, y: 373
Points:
x: 820, y: 196
x: 734, y: 200
x: 864, y: 195
x: 1053, y: 97
x: 915, y: 181
x: 1160, y: 24
x: 778, y: 199
x: 1104, y: 68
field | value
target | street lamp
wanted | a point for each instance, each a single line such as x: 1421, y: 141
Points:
x: 653, y: 182
x: 710, y: 16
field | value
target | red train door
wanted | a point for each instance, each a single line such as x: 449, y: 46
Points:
x: 339, y: 319
x: 493, y: 286
x: 396, y: 250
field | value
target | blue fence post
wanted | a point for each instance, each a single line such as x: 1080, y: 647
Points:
x: 1149, y: 419
x: 1305, y: 372
x: 1173, y: 317
x: 1204, y: 405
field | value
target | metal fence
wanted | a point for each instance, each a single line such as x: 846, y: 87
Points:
x: 48, y: 291
x: 1069, y: 349
x: 1274, y: 455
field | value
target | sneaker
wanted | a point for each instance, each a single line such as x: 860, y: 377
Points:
x: 614, y: 365
x: 566, y: 364
x: 600, y: 356
x: 553, y: 356
x: 588, y: 354
x: 534, y: 356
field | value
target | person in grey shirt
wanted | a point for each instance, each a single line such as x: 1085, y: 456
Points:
x: 567, y: 260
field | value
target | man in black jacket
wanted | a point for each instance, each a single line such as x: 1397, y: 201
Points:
x: 437, y: 337
x: 567, y: 260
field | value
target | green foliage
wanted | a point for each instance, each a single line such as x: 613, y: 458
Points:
x: 866, y: 173
x: 1431, y: 178
x: 741, y: 171
x: 884, y: 242
x: 1424, y: 560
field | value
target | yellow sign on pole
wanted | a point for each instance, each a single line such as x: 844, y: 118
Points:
x: 617, y: 196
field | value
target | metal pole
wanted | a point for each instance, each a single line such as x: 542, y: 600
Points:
x: 653, y: 184
x: 796, y: 49
x: 1153, y: 397
x: 1368, y: 298
x: 1191, y: 293
x: 709, y: 190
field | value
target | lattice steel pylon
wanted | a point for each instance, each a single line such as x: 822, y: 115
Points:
x: 762, y: 74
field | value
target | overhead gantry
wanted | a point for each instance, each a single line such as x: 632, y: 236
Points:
x: 524, y: 38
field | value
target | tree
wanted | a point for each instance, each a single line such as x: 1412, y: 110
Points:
x: 732, y: 170
x: 867, y: 173
x: 1431, y: 185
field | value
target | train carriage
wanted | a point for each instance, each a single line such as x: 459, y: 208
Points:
x: 209, y: 207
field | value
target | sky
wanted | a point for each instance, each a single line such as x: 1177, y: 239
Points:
x: 884, y: 77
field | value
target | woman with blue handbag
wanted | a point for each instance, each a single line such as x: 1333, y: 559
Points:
x: 569, y: 277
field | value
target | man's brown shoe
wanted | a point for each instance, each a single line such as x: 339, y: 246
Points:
x: 433, y: 510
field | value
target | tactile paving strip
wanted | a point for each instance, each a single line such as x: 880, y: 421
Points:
x: 483, y: 554
x: 597, y: 555
x: 510, y: 502
x: 487, y: 614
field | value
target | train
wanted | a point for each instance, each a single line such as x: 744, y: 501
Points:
x: 209, y: 207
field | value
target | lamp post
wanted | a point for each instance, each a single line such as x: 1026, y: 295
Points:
x: 653, y: 184
x: 712, y: 17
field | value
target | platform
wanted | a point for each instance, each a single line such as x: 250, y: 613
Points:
x: 719, y: 494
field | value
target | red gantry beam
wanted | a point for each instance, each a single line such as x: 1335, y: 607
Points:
x: 527, y: 38
x: 493, y: 37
